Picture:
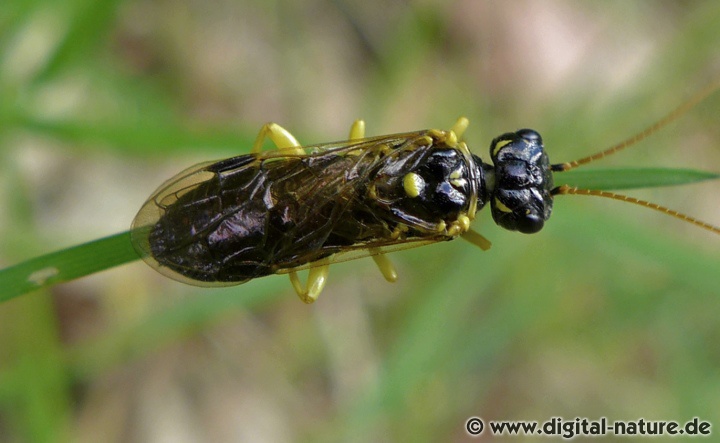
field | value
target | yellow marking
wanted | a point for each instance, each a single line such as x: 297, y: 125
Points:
x: 456, y: 178
x: 499, y: 205
x: 458, y: 183
x: 413, y: 184
x: 441, y: 226
x: 501, y: 144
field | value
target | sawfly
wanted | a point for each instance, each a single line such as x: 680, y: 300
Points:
x: 305, y: 207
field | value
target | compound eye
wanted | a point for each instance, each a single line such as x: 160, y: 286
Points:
x: 530, y: 224
x: 530, y: 135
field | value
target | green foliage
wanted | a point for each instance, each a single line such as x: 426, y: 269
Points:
x: 609, y: 311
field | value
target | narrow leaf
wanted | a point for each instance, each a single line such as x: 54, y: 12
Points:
x: 631, y: 178
x: 65, y: 265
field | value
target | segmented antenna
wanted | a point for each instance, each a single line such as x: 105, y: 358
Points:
x: 672, y: 116
x: 565, y: 189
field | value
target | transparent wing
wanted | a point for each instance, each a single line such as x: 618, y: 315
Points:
x: 370, y: 249
x: 319, y: 188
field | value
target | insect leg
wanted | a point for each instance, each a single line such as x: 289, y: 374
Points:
x: 282, y: 138
x: 317, y: 277
x: 385, y: 266
x: 357, y: 131
x: 460, y: 126
x: 477, y: 239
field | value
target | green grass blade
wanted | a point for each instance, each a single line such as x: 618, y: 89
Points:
x: 140, y: 138
x: 631, y: 178
x: 65, y: 265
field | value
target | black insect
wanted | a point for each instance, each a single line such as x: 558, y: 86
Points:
x: 226, y: 222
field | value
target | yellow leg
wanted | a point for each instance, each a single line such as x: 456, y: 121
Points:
x: 460, y: 126
x: 317, y: 277
x: 456, y: 132
x: 282, y: 138
x: 357, y: 131
x: 386, y: 267
x: 477, y: 239
x: 288, y: 144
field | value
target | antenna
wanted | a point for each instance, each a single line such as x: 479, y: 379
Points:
x: 645, y: 133
x: 565, y: 189
x: 669, y: 118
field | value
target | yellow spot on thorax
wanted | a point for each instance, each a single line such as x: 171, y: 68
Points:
x: 413, y: 184
x: 456, y: 178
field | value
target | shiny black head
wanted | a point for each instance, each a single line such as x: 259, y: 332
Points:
x: 520, y: 197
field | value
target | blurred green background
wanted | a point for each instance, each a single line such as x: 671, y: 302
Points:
x: 611, y: 310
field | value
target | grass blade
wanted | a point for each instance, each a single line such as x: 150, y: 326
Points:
x: 66, y: 264
x: 631, y: 178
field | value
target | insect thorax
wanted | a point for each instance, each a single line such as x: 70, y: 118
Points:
x: 429, y: 187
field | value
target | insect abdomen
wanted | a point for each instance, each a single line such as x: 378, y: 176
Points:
x: 253, y: 221
x: 205, y: 227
